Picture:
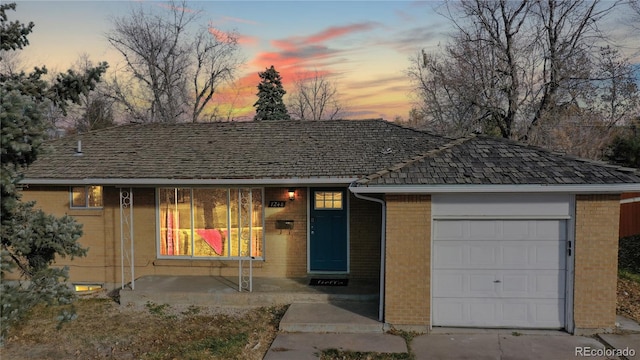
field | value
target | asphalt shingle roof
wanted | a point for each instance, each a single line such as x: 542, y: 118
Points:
x: 233, y: 150
x: 484, y: 160
x: 376, y: 151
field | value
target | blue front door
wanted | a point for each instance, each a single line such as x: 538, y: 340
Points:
x: 328, y: 230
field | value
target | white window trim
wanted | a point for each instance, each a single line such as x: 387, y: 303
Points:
x: 86, y: 198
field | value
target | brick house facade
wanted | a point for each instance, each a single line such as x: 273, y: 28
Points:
x: 451, y: 229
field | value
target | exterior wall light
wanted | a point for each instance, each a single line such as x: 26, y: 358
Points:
x: 292, y: 194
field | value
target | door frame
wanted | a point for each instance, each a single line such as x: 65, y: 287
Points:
x: 310, y: 198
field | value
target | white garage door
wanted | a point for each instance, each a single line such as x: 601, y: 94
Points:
x: 499, y: 273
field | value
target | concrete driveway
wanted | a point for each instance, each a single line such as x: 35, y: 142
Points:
x: 304, y: 346
x: 307, y: 329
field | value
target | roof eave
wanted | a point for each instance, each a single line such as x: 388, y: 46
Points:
x: 191, y: 182
x: 503, y: 188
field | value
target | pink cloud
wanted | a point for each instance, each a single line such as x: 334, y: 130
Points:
x: 327, y: 34
x: 336, y: 31
x: 295, y: 55
x: 224, y: 36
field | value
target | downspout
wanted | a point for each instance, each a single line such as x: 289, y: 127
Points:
x: 383, y: 246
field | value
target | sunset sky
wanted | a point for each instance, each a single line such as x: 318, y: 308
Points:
x: 363, y: 46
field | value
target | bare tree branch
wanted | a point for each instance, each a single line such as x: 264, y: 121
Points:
x: 172, y: 64
x: 315, y: 98
x: 523, y: 69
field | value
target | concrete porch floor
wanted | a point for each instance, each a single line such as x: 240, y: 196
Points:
x: 223, y: 291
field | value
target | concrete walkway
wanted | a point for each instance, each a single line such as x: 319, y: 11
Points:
x: 334, y: 326
x: 334, y: 317
x: 303, y: 346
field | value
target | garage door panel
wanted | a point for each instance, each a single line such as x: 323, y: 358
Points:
x: 550, y: 230
x: 517, y: 229
x: 481, y: 230
x: 500, y: 230
x: 449, y: 230
x: 482, y: 312
x: 494, y: 254
x: 499, y: 273
x: 551, y: 256
x: 490, y: 283
x: 481, y: 255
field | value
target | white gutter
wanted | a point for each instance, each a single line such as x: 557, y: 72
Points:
x: 383, y: 246
x: 630, y: 200
x: 465, y: 188
x: 161, y: 181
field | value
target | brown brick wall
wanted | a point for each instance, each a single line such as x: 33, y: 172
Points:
x: 55, y: 201
x: 596, y: 260
x: 365, y: 228
x: 285, y: 251
x: 408, y: 254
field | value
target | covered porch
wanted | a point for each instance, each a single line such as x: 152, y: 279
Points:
x: 223, y: 291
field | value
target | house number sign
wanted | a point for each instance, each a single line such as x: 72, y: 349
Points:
x: 277, y: 204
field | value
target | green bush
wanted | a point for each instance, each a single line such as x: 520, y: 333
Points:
x: 629, y: 254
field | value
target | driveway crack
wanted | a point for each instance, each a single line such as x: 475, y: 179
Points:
x: 500, y: 347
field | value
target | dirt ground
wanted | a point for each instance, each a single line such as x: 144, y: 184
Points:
x: 629, y: 298
x: 105, y: 330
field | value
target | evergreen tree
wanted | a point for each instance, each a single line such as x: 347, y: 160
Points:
x: 624, y: 150
x: 270, y: 105
x: 31, y: 239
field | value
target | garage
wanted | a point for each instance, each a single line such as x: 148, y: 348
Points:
x: 500, y: 260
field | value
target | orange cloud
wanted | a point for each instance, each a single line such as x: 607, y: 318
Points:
x: 224, y: 36
x: 297, y: 54
x: 295, y: 58
x: 336, y: 31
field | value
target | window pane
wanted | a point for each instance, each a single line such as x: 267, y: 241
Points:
x: 175, y: 222
x: 244, y: 221
x: 78, y: 196
x: 234, y: 249
x: 256, y: 223
x: 95, y: 196
x: 210, y: 222
x: 327, y: 200
x: 226, y: 222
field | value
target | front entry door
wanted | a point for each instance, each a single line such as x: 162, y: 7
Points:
x: 328, y: 230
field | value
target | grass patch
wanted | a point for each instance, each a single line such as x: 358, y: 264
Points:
x: 629, y: 254
x: 406, y: 335
x: 158, y: 310
x: 335, y: 354
x: 105, y: 329
x: 628, y: 275
x: 330, y: 354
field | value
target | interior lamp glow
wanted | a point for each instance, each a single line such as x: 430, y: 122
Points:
x: 292, y: 194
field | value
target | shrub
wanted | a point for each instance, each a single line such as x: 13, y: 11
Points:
x: 629, y: 254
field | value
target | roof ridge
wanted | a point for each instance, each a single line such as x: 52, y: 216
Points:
x: 567, y: 156
x: 403, y: 164
x: 411, y: 128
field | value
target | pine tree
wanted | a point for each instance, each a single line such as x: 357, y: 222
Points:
x: 270, y: 105
x: 30, y: 238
